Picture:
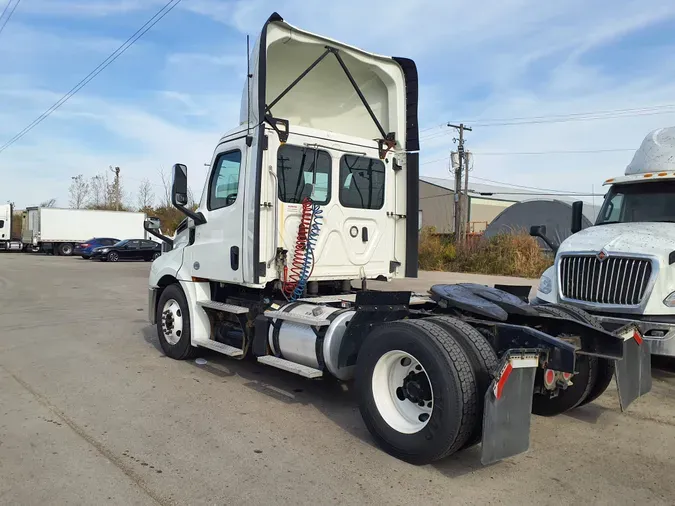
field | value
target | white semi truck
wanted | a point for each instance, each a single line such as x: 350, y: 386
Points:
x: 57, y: 231
x: 318, y: 186
x: 622, y: 270
x: 8, y: 240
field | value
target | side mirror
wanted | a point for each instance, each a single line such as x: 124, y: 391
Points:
x: 179, y: 186
x: 179, y: 194
x: 540, y: 231
x: 577, y: 215
x: 152, y: 227
x: 152, y: 224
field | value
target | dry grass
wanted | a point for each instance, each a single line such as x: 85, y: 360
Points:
x: 505, y: 254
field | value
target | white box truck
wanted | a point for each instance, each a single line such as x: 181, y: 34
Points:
x: 57, y: 231
x: 622, y: 269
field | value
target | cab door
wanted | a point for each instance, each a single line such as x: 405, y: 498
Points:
x: 216, y: 253
x: 366, y: 196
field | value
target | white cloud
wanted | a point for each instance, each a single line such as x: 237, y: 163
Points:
x: 489, y: 59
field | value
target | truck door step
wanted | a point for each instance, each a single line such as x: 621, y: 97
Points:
x: 315, y: 321
x: 280, y: 363
x: 225, y: 349
x: 221, y: 306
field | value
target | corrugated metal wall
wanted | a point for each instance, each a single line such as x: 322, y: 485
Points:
x: 437, y: 207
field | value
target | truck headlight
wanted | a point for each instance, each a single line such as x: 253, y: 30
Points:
x: 670, y: 300
x: 546, y: 285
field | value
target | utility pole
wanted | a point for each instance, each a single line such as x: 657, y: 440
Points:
x: 459, y: 204
x: 116, y: 186
x: 465, y: 206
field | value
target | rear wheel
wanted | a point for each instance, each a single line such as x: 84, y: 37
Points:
x: 86, y: 257
x: 544, y: 403
x: 65, y: 249
x: 483, y: 358
x: 173, y: 324
x: 417, y: 390
x: 606, y: 367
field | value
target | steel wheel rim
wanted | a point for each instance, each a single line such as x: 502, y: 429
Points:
x: 67, y: 250
x: 402, y: 392
x: 172, y: 321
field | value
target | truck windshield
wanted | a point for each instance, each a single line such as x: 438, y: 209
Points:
x: 639, y: 202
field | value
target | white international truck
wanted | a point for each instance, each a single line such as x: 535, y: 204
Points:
x: 318, y: 186
x: 57, y: 231
x: 622, y: 269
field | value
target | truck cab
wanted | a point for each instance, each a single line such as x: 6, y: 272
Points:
x: 622, y: 269
x: 322, y: 122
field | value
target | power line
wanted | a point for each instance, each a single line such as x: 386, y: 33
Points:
x: 560, y: 152
x: 610, y: 112
x: 9, y: 16
x: 168, y: 7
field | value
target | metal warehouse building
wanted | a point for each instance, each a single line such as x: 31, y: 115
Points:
x: 437, y: 203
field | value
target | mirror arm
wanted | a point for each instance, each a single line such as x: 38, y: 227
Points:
x: 198, y: 218
x: 554, y: 247
x: 159, y: 236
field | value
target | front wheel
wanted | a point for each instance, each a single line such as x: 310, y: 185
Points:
x: 417, y: 391
x: 173, y: 324
x: 113, y: 256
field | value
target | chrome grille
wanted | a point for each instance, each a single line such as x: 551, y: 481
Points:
x: 614, y: 280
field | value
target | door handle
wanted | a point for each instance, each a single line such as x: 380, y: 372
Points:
x: 364, y: 234
x: 234, y: 257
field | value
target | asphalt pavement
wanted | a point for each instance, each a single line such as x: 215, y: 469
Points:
x: 92, y: 412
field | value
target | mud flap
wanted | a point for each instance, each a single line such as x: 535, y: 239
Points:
x: 634, y: 370
x: 508, y: 407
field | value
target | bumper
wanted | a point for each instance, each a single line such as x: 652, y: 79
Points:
x: 152, y: 305
x: 663, y: 344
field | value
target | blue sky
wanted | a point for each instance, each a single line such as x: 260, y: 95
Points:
x: 170, y: 96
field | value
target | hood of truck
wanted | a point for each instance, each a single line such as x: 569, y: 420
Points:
x: 654, y: 239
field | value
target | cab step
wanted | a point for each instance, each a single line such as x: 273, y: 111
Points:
x: 280, y: 363
x: 315, y: 321
x: 225, y: 349
x: 221, y: 306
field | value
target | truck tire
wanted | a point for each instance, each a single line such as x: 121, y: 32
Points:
x: 582, y: 382
x: 484, y: 362
x: 416, y: 390
x: 65, y: 249
x: 173, y: 324
x: 605, y: 366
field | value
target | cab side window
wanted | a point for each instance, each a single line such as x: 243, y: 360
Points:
x: 224, y: 183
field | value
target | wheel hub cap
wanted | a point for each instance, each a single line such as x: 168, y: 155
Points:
x: 172, y: 321
x: 402, y: 392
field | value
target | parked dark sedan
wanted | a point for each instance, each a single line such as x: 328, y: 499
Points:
x: 129, y: 249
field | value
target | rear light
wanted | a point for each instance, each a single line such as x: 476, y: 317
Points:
x: 85, y: 245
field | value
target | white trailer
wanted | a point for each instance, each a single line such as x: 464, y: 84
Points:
x: 58, y: 230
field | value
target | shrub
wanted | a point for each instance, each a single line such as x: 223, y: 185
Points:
x: 504, y: 254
